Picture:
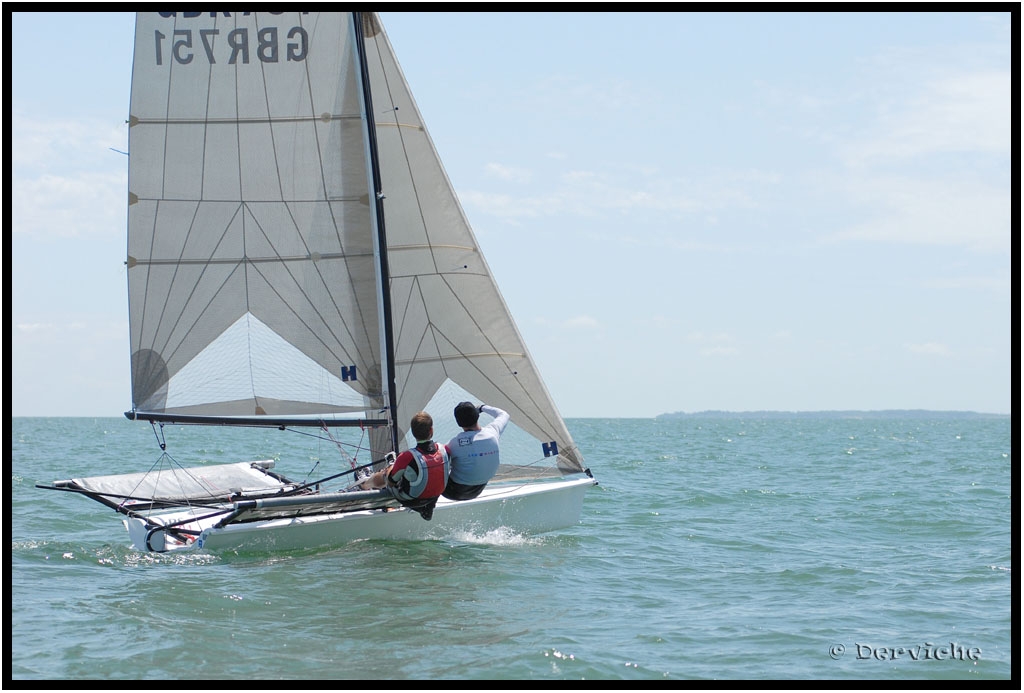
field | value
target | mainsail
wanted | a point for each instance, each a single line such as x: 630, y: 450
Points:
x: 255, y: 286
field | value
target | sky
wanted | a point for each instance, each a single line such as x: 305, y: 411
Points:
x: 683, y: 211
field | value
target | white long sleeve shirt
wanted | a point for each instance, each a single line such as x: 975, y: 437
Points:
x: 475, y: 453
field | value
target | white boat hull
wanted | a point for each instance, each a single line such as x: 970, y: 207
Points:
x: 520, y: 508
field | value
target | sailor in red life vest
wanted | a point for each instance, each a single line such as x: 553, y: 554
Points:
x: 418, y: 476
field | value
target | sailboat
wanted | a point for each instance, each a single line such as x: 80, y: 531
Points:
x: 298, y: 259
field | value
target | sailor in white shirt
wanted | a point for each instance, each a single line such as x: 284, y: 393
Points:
x: 474, y: 452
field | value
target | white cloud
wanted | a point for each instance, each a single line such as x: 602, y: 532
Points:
x: 93, y: 205
x: 714, y: 343
x: 39, y: 145
x: 955, y: 113
x: 929, y: 348
x: 941, y: 212
x: 34, y: 327
x: 719, y: 351
x: 508, y: 173
x: 590, y: 194
x: 582, y: 322
x: 923, y: 151
x: 662, y: 322
x: 509, y: 207
x: 97, y: 329
x: 998, y: 282
x: 716, y: 337
x: 66, y: 182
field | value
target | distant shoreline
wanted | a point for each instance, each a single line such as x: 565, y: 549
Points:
x: 834, y: 414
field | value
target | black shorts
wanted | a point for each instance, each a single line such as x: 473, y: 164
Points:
x: 456, y: 491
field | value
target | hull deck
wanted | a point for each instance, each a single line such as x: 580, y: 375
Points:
x: 528, y: 508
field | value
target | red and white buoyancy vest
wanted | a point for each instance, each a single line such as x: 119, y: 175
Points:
x: 418, y: 475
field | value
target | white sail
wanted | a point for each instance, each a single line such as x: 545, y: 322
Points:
x: 248, y: 210
x: 451, y: 324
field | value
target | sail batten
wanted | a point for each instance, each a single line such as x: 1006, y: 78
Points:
x: 254, y: 421
x: 462, y: 357
x: 252, y: 261
x: 323, y: 117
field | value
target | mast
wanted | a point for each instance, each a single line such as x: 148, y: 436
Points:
x: 384, y: 290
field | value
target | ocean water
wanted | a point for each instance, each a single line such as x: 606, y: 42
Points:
x: 713, y: 549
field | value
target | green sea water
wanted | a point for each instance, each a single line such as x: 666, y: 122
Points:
x: 712, y: 549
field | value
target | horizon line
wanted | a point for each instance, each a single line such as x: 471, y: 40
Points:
x: 663, y: 414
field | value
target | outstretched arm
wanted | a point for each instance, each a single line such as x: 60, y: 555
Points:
x: 500, y: 416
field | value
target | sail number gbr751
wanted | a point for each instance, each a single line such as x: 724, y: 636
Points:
x: 269, y: 44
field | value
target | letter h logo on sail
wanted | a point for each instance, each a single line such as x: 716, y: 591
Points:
x: 348, y: 373
x: 550, y: 449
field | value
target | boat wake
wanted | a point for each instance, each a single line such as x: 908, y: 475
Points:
x: 499, y: 536
x: 113, y: 555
